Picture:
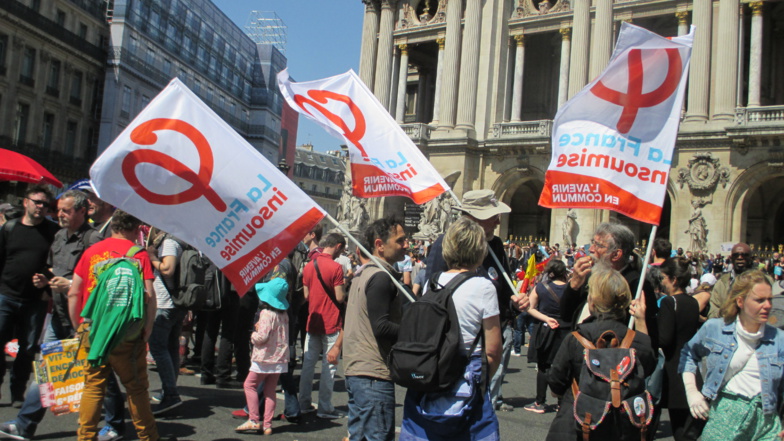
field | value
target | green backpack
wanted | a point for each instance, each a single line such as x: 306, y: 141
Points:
x: 115, y: 306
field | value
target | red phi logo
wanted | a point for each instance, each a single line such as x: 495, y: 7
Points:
x: 200, y: 182
x: 634, y: 99
x: 316, y: 99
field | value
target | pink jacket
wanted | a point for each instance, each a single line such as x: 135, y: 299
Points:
x: 271, y: 338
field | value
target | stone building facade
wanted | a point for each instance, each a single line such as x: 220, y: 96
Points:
x: 321, y: 176
x: 154, y: 41
x: 52, y: 64
x: 476, y: 84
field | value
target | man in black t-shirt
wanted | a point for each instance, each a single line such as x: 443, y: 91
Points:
x: 24, y: 248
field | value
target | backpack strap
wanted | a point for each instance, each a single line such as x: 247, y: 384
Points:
x: 583, y: 341
x: 552, y: 293
x: 330, y: 292
x: 586, y: 425
x: 627, y: 339
x: 132, y: 251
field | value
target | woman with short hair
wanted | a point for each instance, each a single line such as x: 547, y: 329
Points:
x: 462, y: 412
x: 744, y: 357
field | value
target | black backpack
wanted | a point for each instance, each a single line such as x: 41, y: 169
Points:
x: 427, y: 356
x: 194, y: 288
x: 611, y: 389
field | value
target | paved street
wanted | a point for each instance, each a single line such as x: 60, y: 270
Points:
x: 206, y: 413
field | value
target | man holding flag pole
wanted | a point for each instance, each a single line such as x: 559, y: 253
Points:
x: 612, y: 147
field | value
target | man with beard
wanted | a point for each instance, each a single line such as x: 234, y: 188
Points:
x: 741, y: 262
x: 614, y: 244
x: 24, y: 247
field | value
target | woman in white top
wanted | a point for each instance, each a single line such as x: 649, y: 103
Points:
x: 744, y: 356
x: 463, y: 412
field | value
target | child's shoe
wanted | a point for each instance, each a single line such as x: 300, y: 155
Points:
x: 249, y: 426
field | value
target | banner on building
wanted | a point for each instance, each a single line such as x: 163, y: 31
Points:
x: 60, y: 376
x: 613, y: 142
x: 178, y: 166
x: 384, y: 160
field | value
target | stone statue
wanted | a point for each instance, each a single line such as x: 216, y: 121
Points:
x: 436, y: 217
x: 344, y: 205
x: 698, y: 233
x: 570, y: 228
x: 361, y: 218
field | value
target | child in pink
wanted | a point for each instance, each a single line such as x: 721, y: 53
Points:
x: 270, y: 355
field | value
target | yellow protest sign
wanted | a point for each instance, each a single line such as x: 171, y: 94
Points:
x: 61, y: 380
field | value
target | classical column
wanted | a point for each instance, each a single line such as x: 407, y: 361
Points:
x: 383, y: 77
x: 402, y: 82
x: 439, y: 72
x: 421, y: 97
x: 727, y: 61
x: 393, y: 82
x: 602, y: 39
x: 563, y: 78
x: 578, y: 64
x: 446, y: 111
x: 367, y: 54
x: 699, y: 67
x: 517, y: 87
x: 755, y: 54
x: 469, y: 66
x: 683, y: 22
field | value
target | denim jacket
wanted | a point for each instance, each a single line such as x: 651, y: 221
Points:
x: 716, y: 342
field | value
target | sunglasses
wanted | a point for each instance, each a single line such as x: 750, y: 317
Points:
x: 739, y: 255
x: 38, y: 203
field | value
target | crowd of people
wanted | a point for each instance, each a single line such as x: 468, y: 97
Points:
x: 699, y: 346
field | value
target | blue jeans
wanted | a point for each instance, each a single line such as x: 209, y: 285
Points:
x: 519, y: 332
x: 165, y: 348
x: 498, y: 378
x: 317, y: 345
x: 25, y: 320
x: 371, y: 409
x: 32, y: 413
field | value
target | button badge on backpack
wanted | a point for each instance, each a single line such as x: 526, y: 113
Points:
x: 639, y: 407
x: 623, y: 365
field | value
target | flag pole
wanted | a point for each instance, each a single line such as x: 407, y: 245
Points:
x: 370, y: 255
x: 644, y: 269
x: 490, y: 251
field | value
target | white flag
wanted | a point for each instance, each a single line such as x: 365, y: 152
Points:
x: 181, y: 168
x: 384, y: 160
x: 613, y: 142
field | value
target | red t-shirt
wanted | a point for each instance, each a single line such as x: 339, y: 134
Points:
x: 106, y: 249
x: 324, y: 317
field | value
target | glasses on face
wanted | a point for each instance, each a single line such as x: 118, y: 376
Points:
x: 38, y: 202
x: 739, y: 255
x: 597, y: 244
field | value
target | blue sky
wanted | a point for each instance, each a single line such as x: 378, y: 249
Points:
x: 324, y: 38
